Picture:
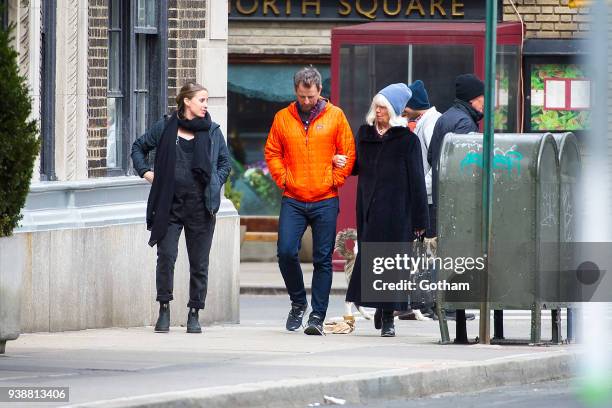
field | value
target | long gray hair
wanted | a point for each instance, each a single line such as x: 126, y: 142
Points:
x: 394, y: 119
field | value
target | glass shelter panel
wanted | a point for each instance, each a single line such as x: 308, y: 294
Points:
x: 365, y: 69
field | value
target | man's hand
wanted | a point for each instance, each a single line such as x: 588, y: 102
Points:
x: 149, y: 176
x: 339, y: 160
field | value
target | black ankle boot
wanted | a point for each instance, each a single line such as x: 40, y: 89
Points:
x: 193, y: 321
x: 378, y: 319
x: 388, y: 324
x: 163, y: 321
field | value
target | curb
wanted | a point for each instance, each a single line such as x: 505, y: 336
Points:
x: 281, y: 290
x: 362, y: 388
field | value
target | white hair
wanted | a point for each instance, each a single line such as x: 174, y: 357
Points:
x: 394, y: 119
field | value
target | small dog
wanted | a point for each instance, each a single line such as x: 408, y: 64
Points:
x: 430, y: 247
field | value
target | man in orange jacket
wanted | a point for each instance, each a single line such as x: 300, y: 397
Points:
x: 310, y: 152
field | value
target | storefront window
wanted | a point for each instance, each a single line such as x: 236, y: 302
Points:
x: 560, y: 97
x: 365, y: 69
x: 255, y: 94
x: 506, y: 88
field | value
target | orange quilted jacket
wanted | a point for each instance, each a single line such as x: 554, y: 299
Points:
x: 300, y: 161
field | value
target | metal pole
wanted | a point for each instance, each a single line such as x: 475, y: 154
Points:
x: 487, y: 184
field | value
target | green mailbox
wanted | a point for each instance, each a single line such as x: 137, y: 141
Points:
x: 569, y: 175
x: 525, y: 221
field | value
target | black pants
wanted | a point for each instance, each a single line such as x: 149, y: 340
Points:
x: 188, y: 212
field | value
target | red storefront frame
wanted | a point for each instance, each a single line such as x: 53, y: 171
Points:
x: 404, y: 33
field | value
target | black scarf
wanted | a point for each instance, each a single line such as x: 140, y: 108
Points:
x: 465, y: 106
x: 201, y: 165
x: 162, y: 190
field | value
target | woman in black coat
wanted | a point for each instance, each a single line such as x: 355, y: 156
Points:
x: 191, y: 164
x: 391, y: 192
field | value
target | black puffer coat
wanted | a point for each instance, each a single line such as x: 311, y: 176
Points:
x: 461, y: 119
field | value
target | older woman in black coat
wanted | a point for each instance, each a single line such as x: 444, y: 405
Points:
x: 391, y: 192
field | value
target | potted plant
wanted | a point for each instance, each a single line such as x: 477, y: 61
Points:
x: 257, y: 177
x: 19, y: 147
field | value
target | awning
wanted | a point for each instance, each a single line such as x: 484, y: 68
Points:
x: 270, y: 82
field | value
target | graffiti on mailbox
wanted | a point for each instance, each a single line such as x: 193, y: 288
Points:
x: 508, y: 161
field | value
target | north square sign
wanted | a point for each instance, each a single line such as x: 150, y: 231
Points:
x: 360, y: 10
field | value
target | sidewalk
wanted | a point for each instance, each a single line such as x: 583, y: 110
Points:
x: 252, y: 365
x: 264, y: 278
x: 257, y: 363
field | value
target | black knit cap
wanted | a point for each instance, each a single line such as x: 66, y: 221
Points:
x: 468, y: 87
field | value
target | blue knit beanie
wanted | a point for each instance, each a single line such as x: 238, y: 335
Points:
x: 419, y: 100
x: 397, y: 95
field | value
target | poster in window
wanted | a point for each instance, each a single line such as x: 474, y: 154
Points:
x: 554, y: 94
x: 560, y: 97
x: 580, y: 94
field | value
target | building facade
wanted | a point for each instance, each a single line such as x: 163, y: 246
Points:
x: 101, y: 72
x: 269, y: 41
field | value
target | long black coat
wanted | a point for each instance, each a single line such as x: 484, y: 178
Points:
x: 391, y: 196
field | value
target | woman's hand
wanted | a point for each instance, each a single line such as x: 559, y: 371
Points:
x: 339, y: 160
x: 149, y: 175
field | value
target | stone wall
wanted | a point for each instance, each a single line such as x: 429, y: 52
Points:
x: 105, y: 277
x: 71, y: 93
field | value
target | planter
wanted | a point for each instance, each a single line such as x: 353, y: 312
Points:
x: 12, y: 270
x: 243, y: 230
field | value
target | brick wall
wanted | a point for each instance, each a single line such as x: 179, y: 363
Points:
x: 549, y: 18
x: 186, y: 24
x: 97, y: 68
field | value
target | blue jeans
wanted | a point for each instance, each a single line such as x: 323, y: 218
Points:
x: 295, y: 216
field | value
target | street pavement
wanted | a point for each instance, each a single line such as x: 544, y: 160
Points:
x: 258, y: 363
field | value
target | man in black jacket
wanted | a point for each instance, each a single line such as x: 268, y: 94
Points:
x: 461, y: 118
